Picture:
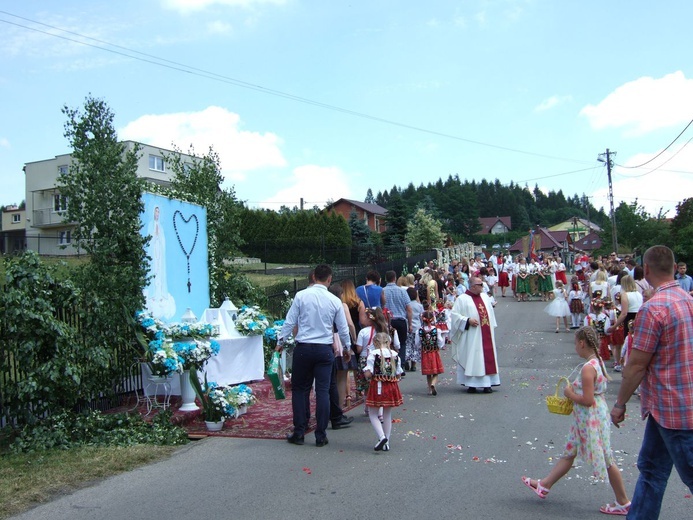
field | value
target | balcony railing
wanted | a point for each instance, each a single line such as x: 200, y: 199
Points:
x: 47, y: 217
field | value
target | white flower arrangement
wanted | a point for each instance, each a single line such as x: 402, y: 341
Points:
x: 251, y: 321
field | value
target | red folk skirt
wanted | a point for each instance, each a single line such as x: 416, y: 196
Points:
x: 503, y: 279
x: 604, y: 351
x: 560, y: 275
x: 431, y: 364
x: 384, y: 393
x: 618, y: 336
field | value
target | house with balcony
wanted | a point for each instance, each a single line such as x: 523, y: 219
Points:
x: 13, y: 230
x: 47, y: 231
x: 372, y: 215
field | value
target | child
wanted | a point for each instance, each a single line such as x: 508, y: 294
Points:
x: 377, y: 322
x: 413, y: 353
x: 590, y: 435
x: 576, y: 306
x: 559, y: 306
x: 600, y: 321
x: 491, y: 280
x: 383, y: 371
x: 430, y: 339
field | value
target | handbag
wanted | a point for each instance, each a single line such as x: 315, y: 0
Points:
x: 276, y: 376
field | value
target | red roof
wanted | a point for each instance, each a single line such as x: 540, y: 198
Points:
x: 487, y: 224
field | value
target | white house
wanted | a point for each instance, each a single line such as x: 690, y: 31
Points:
x: 47, y: 232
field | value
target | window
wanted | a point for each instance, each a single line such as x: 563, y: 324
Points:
x: 156, y: 163
x: 64, y: 238
x: 62, y: 169
x: 59, y: 203
x: 16, y: 218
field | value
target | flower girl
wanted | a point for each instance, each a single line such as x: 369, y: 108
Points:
x: 383, y: 370
x: 559, y: 306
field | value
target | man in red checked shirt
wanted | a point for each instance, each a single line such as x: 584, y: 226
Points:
x: 661, y: 362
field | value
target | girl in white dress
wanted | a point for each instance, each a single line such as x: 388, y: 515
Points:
x: 559, y: 306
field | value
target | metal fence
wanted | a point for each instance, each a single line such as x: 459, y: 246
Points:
x: 45, y: 244
x: 123, y: 372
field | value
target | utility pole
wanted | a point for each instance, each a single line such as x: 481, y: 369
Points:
x: 609, y: 164
x: 301, y: 203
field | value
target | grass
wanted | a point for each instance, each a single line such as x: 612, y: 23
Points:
x: 27, y: 480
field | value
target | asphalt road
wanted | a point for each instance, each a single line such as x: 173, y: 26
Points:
x: 452, y: 456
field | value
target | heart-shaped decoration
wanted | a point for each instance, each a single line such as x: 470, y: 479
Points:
x: 181, y: 224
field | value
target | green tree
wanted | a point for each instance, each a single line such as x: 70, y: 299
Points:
x: 682, y: 231
x: 362, y: 245
x: 424, y: 231
x: 104, y: 198
x: 396, y: 220
x: 370, y: 199
x: 636, y: 229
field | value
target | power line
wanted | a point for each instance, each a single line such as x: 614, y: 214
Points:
x: 658, y: 167
x: 660, y: 153
x: 181, y: 67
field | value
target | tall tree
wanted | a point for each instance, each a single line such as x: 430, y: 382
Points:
x: 369, y: 197
x: 104, y: 198
x: 396, y: 220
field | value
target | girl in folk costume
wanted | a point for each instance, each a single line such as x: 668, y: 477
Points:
x: 376, y: 322
x: 577, y: 307
x: 383, y: 371
x: 559, y: 306
x: 430, y: 340
x: 522, y: 285
x: 590, y: 435
x: 503, y: 275
x: 599, y: 320
x: 545, y: 280
x: 560, y: 271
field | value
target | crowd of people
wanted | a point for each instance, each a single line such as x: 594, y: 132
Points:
x: 641, y: 317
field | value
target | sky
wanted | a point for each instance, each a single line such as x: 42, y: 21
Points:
x: 319, y: 100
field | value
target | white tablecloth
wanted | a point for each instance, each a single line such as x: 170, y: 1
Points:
x: 239, y: 360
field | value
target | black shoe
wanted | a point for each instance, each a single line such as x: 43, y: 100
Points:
x: 471, y: 390
x: 381, y: 444
x: 403, y: 374
x: 407, y: 366
x: 321, y: 442
x: 296, y: 439
x: 342, y: 422
x: 488, y: 390
x: 433, y: 390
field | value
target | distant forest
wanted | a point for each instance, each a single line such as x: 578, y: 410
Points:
x: 459, y: 205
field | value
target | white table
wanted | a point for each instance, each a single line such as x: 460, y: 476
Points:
x: 240, y: 359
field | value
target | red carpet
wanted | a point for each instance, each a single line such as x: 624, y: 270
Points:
x: 268, y: 418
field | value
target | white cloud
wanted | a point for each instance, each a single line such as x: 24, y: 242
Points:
x: 552, y: 102
x: 644, y: 105
x: 315, y: 184
x: 219, y: 27
x: 240, y: 151
x: 654, y: 189
x: 5, y: 143
x: 186, y: 6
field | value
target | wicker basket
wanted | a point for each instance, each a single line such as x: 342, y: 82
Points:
x: 559, y: 405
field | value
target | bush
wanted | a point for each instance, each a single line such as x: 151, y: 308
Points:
x: 66, y: 430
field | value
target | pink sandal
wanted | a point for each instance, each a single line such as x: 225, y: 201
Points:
x: 540, y: 490
x: 615, y: 509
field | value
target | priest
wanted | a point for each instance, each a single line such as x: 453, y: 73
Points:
x: 473, y: 339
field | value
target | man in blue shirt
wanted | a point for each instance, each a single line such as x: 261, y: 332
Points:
x: 398, y: 303
x: 685, y: 281
x: 314, y: 312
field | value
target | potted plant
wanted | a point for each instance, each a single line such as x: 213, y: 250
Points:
x: 216, y: 402
x: 241, y: 396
